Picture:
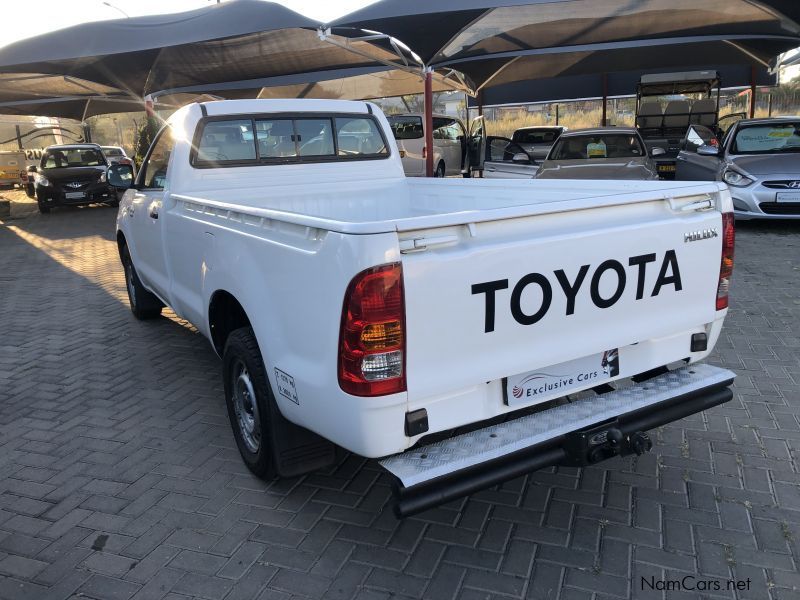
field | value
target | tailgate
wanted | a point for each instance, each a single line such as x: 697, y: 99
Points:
x: 490, y: 300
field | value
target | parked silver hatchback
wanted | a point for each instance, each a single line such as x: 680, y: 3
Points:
x: 759, y: 159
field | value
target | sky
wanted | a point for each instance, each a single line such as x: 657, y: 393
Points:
x: 57, y: 14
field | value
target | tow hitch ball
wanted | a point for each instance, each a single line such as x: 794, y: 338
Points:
x: 588, y: 447
x: 638, y: 443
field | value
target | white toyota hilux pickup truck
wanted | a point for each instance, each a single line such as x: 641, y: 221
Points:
x: 463, y: 332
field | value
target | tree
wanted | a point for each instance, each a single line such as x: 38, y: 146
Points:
x: 144, y: 137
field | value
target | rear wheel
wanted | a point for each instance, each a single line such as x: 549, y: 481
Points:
x: 271, y: 445
x: 248, y: 396
x: 439, y: 170
x: 144, y: 304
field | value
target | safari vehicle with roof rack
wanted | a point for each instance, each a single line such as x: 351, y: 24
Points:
x: 462, y: 332
x: 668, y: 103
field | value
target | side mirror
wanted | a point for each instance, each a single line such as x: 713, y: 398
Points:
x: 33, y: 169
x: 120, y: 176
x: 521, y: 158
x: 657, y: 151
x: 708, y: 150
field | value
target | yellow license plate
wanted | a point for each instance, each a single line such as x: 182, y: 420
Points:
x: 666, y: 168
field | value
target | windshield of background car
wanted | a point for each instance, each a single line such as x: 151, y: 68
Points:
x: 72, y: 157
x: 767, y: 139
x: 596, y: 146
x: 406, y: 128
x: 536, y: 136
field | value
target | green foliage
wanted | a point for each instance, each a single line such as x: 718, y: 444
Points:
x: 144, y: 137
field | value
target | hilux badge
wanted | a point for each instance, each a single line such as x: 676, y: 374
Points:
x: 700, y: 234
x: 75, y: 184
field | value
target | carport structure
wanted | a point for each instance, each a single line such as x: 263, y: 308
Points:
x: 471, y: 45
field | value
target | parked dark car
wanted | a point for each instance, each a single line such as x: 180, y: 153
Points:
x: 72, y: 175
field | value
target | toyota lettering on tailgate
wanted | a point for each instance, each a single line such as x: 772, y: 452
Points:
x: 668, y: 275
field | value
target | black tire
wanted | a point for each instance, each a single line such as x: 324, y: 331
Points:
x: 144, y: 304
x: 43, y: 209
x: 250, y: 402
x: 439, y: 172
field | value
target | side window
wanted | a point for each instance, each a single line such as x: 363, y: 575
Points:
x: 314, y: 137
x: 502, y: 150
x: 698, y: 136
x: 154, y: 170
x: 227, y: 140
x: 445, y: 129
x: 359, y: 136
x: 276, y: 138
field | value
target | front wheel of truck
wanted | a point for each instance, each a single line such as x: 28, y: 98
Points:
x: 249, y: 399
x: 144, y: 304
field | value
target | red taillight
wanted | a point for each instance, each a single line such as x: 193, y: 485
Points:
x: 726, y: 266
x: 372, y: 336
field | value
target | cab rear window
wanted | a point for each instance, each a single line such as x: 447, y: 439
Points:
x: 262, y: 139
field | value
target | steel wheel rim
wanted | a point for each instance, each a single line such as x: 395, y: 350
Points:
x: 245, y: 406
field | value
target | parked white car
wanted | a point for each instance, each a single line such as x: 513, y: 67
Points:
x: 449, y: 144
x: 354, y: 306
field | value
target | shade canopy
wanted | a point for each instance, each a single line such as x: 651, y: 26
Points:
x: 238, y: 40
x: 595, y: 85
x: 255, y: 45
x: 362, y: 83
x: 497, y: 41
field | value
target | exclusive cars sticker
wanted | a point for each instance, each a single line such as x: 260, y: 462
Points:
x: 286, y: 386
x: 559, y: 380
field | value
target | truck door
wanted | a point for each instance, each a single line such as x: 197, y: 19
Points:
x: 475, y: 144
x: 149, y: 257
x: 692, y: 166
x: 507, y: 160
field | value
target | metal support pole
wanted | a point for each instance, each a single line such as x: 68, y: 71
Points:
x: 19, y: 137
x: 557, y: 113
x: 752, y: 92
x: 605, y: 98
x: 428, y: 123
x: 769, y: 105
x: 480, y: 103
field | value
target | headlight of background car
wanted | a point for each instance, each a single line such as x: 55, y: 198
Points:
x: 41, y: 180
x: 735, y: 178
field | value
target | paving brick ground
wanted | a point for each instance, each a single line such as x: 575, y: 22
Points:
x: 119, y: 478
